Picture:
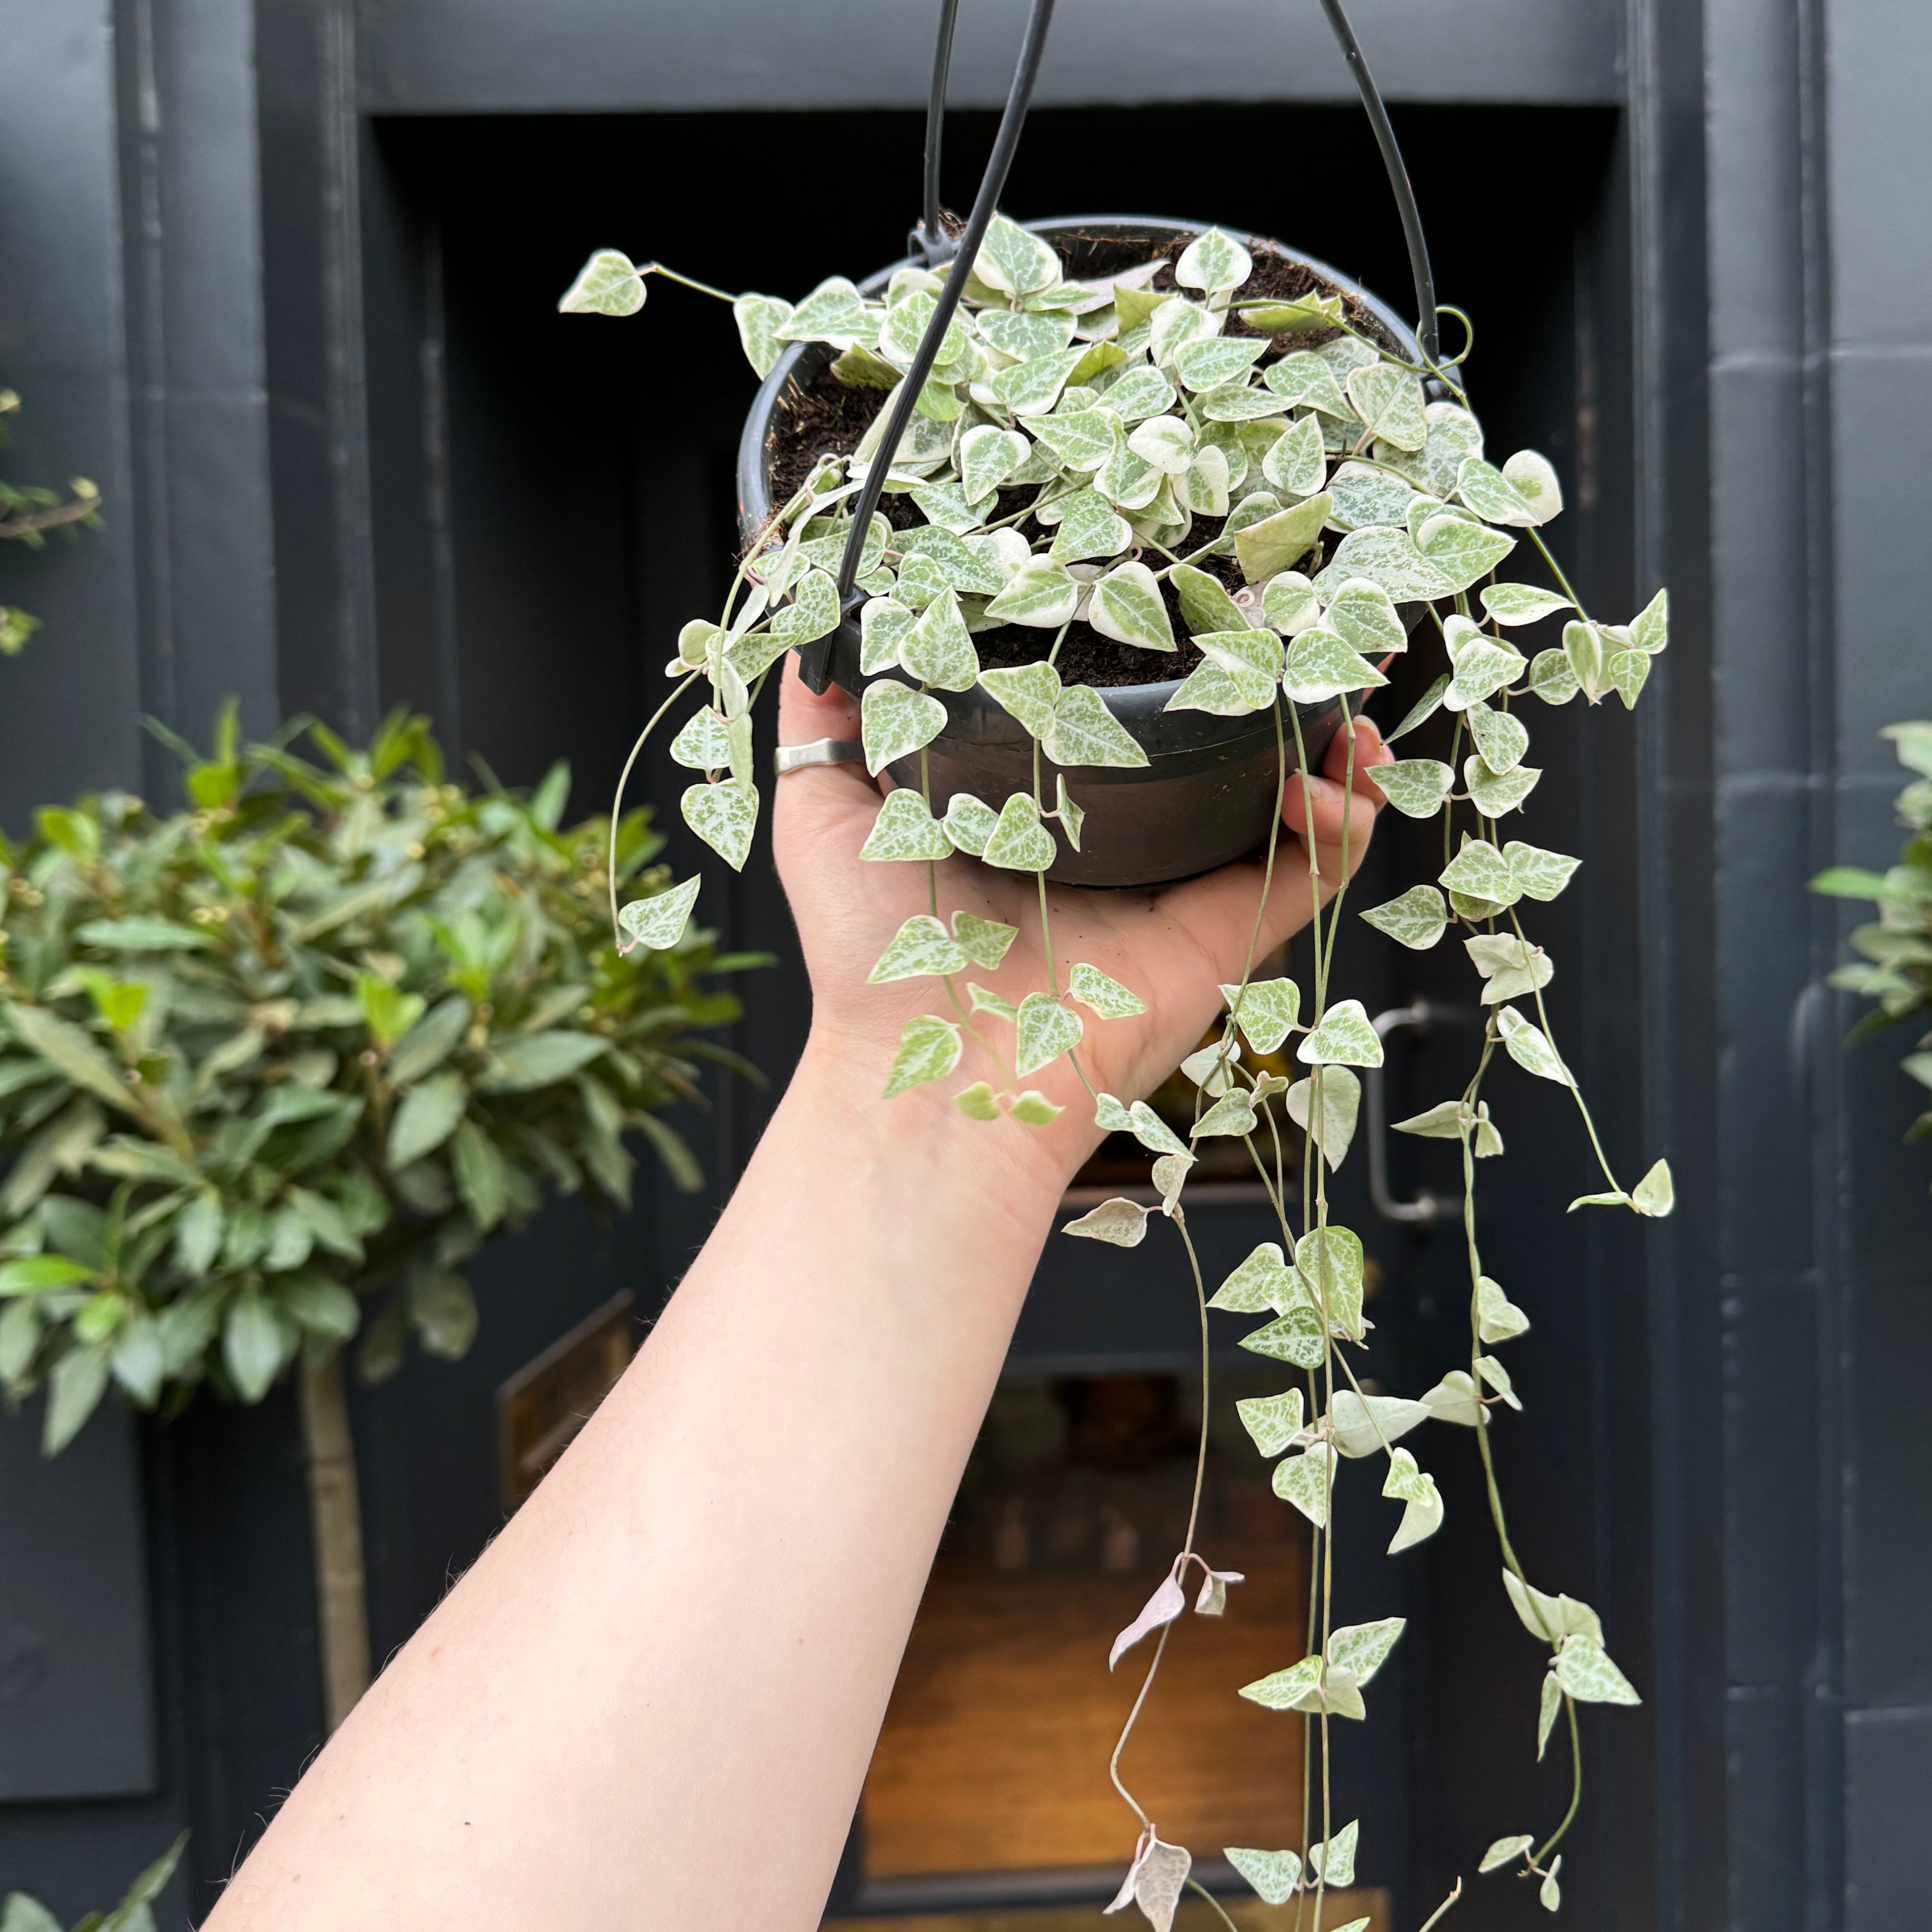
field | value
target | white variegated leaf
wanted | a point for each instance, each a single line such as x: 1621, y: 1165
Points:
x: 929, y: 1049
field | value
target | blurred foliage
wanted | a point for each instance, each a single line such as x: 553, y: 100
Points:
x: 1896, y: 968
x: 275, y: 1066
x: 25, y: 1914
x: 27, y: 513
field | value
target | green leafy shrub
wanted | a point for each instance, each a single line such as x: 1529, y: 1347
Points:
x: 276, y: 1065
x: 27, y: 512
x: 1897, y: 970
x: 26, y: 1914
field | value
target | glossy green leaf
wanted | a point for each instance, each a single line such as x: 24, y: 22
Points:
x: 426, y: 1118
x: 252, y: 1345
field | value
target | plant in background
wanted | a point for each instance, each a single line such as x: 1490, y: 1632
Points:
x: 25, y: 1914
x: 27, y: 513
x: 275, y: 1066
x: 1176, y: 458
x: 1897, y: 949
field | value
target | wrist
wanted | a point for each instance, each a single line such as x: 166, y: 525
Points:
x: 921, y: 1135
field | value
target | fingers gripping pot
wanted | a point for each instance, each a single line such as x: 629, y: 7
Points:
x: 1208, y: 791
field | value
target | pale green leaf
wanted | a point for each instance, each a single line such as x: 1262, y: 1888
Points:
x: 1583, y: 646
x: 1332, y: 1126
x: 1030, y: 692
x: 1303, y: 380
x: 969, y: 823
x: 1014, y: 260
x: 1102, y: 995
x: 1500, y: 737
x: 1085, y: 732
x: 984, y: 1001
x: 759, y: 319
x: 1387, y: 557
x: 1233, y: 1114
x: 1089, y: 527
x: 1272, y: 1421
x: 1537, y: 874
x: 1654, y: 1195
x: 1266, y: 548
x: 1530, y: 1048
x: 1510, y: 967
x: 1263, y: 1281
x: 1533, y: 480
x: 1584, y: 1668
x: 1031, y: 389
x: 1330, y: 1262
x: 1628, y: 671
x: 1019, y: 842
x: 1550, y: 1894
x: 704, y: 744
x: 1362, y: 613
x: 1320, y: 664
x: 938, y: 650
x: 895, y: 722
x: 1424, y: 708
x: 1359, y: 1426
x: 724, y: 815
x: 1296, y: 1337
x: 1552, y: 1619
x: 1504, y: 1851
x: 1552, y: 678
x: 1480, y: 872
x: 1034, y: 1110
x: 1140, y: 393
x: 1510, y: 604
x: 1282, y: 1689
x: 657, y: 924
x: 1416, y: 920
x: 1345, y: 1038
x: 1493, y: 795
x: 1462, y: 553
x: 1305, y: 1481
x: 606, y: 284
x: 905, y: 829
x: 1267, y: 1011
x: 1551, y: 1704
x: 1366, y: 495
x: 973, y: 571
x: 1290, y: 603
x: 1334, y: 1863
x: 1423, y: 1512
x: 1126, y: 604
x: 1650, y: 628
x: 1215, y: 361
x: 1295, y: 462
x: 834, y: 312
x: 1123, y: 1224
x: 1040, y: 593
x: 922, y: 946
x: 1205, y: 604
x: 984, y: 941
x: 1362, y: 1649
x: 1498, y: 1318
x: 929, y: 1049
x: 1454, y: 1399
x: 977, y: 1102
x: 1273, y: 1875
x: 883, y: 623
x: 1388, y: 400
x: 1045, y: 1030
x: 1215, y: 262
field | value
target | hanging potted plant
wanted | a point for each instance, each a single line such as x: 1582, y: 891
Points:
x: 1111, y: 526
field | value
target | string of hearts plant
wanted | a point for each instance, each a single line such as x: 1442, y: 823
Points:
x: 1109, y: 452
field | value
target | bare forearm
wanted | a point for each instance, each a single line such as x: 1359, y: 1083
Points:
x: 660, y: 1687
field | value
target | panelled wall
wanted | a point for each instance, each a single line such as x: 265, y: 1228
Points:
x: 244, y: 285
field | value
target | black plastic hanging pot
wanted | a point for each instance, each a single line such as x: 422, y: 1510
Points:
x: 1209, y: 787
x: 1208, y: 794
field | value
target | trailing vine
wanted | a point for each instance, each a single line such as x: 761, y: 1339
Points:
x: 1111, y: 452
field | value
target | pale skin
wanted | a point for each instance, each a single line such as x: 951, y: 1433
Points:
x: 652, y: 1699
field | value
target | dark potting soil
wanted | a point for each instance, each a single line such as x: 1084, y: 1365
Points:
x: 827, y: 417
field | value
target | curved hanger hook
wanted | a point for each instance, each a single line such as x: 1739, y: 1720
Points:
x: 1427, y: 332
x: 928, y: 239
x: 1018, y: 99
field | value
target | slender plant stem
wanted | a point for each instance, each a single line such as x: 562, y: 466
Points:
x: 623, y: 778
x: 672, y: 275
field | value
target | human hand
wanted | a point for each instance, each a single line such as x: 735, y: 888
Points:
x: 1173, y: 945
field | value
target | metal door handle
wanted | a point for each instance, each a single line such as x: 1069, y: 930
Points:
x: 1427, y: 1208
